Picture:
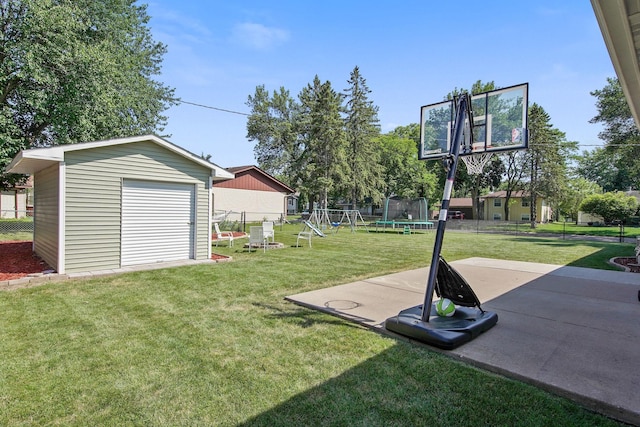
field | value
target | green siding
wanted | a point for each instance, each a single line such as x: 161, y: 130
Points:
x: 45, y: 222
x: 93, y: 198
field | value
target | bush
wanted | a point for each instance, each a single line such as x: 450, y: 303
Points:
x: 610, y: 206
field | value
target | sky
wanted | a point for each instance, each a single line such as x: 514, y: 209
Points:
x: 411, y: 53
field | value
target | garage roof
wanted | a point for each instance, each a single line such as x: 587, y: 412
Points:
x: 35, y: 159
x: 619, y: 22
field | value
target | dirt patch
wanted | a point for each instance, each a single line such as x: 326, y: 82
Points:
x: 17, y: 260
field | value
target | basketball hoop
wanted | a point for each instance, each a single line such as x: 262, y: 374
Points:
x: 476, y: 162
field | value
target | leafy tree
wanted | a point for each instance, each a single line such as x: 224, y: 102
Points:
x: 75, y: 71
x: 619, y: 160
x: 272, y: 125
x: 576, y: 190
x: 404, y: 174
x: 433, y: 169
x: 516, y: 169
x: 610, y: 169
x: 323, y: 163
x: 361, y: 126
x: 610, y: 206
x: 410, y: 131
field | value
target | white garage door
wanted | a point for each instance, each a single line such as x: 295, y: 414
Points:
x: 157, y: 222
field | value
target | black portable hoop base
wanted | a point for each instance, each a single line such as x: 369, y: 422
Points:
x: 469, y: 320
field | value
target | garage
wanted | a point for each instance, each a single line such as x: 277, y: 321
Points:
x: 157, y: 222
x: 111, y: 204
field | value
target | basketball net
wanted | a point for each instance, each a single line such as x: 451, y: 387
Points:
x: 478, y: 157
x: 476, y: 162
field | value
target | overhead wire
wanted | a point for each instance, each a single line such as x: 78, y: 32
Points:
x: 210, y: 107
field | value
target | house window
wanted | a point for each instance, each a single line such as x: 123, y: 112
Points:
x: 497, y: 217
x: 525, y: 202
x: 497, y: 202
x: 525, y: 217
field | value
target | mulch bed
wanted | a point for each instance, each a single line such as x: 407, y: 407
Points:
x: 625, y: 261
x: 17, y: 260
x: 235, y: 234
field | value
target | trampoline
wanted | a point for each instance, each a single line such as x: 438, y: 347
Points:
x: 399, y: 212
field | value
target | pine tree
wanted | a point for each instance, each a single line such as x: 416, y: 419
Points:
x: 547, y: 159
x: 323, y: 165
x: 361, y: 127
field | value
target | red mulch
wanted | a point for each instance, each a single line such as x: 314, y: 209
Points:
x: 236, y: 234
x: 18, y: 260
x: 216, y: 256
x: 625, y: 261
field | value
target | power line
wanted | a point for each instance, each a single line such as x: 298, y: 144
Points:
x: 224, y: 110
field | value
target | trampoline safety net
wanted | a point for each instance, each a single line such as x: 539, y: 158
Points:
x: 399, y: 209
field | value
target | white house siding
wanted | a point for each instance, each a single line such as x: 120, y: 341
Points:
x: 257, y: 205
x: 93, y: 198
x: 45, y: 223
x: 8, y: 204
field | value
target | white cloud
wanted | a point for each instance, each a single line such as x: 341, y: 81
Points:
x: 258, y: 36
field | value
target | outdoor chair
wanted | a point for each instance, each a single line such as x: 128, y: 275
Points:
x: 305, y: 234
x: 257, y: 237
x: 227, y: 235
x: 267, y: 229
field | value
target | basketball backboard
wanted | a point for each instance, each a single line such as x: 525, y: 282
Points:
x: 499, y: 124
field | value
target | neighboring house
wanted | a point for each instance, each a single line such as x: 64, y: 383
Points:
x: 16, y: 202
x: 519, y: 207
x: 253, y: 193
x: 459, y: 204
x: 292, y: 204
x: 110, y: 204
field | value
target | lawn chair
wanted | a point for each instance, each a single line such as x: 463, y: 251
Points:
x: 267, y: 229
x: 227, y: 235
x: 305, y: 234
x: 257, y: 237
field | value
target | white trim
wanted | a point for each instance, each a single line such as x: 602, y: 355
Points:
x: 35, y: 159
x: 194, y: 224
x: 62, y: 186
x: 209, y: 214
x: 613, y: 19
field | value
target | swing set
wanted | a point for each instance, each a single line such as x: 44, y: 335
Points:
x: 333, y: 219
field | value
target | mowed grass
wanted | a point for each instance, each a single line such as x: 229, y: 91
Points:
x: 217, y: 344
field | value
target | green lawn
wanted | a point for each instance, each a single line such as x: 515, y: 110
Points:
x: 218, y: 345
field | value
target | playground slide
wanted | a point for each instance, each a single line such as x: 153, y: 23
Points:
x: 314, y: 229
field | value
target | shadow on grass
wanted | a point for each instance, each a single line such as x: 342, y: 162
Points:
x: 303, y: 317
x: 405, y: 386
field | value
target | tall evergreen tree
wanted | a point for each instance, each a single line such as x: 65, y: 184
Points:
x: 73, y: 71
x: 547, y: 158
x: 361, y: 127
x: 323, y: 165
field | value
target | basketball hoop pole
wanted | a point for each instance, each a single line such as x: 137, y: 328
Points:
x: 452, y: 159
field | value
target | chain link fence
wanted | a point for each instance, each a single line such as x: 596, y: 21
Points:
x: 241, y: 221
x: 16, y: 225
